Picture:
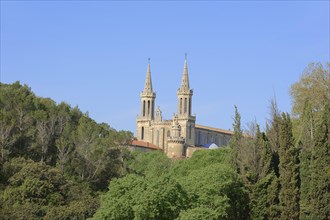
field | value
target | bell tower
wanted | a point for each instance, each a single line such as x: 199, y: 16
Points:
x: 148, y: 97
x: 184, y: 93
x: 147, y: 109
x: 186, y: 120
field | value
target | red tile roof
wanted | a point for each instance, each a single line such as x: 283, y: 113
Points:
x: 145, y: 145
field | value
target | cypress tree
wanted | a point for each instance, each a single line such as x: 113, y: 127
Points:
x: 273, y: 132
x: 236, y: 140
x: 264, y: 195
x: 320, y: 166
x: 305, y: 144
x: 268, y: 186
x: 288, y: 170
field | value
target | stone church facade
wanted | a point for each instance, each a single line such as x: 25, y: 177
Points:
x: 180, y: 136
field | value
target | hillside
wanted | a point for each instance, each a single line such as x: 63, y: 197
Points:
x: 58, y: 163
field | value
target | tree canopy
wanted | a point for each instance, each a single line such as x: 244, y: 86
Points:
x: 205, y: 185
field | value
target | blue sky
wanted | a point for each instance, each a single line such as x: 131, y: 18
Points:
x: 95, y: 54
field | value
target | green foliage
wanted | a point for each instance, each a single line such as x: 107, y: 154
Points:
x: 160, y: 189
x: 201, y: 159
x: 75, y: 154
x: 210, y: 181
x: 201, y: 212
x: 311, y: 97
x: 218, y: 187
x: 36, y: 190
x: 264, y: 198
x: 148, y: 194
x: 58, y: 135
x: 17, y: 124
x: 137, y: 197
x: 305, y: 144
x: 289, y: 171
x: 117, y: 202
x: 265, y: 191
x: 55, y: 161
x: 149, y: 164
x: 320, y: 166
x: 313, y: 87
x: 236, y: 140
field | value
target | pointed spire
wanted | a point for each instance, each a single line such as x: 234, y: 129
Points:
x: 148, y: 84
x: 185, y: 77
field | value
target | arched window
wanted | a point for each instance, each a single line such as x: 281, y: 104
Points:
x: 148, y: 107
x: 152, y: 108
x: 180, y: 107
x: 190, y: 106
x: 144, y: 108
x: 168, y: 133
x: 185, y: 105
x: 157, y: 138
x: 142, y: 133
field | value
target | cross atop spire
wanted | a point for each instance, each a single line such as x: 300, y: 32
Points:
x: 185, y: 77
x: 148, y: 83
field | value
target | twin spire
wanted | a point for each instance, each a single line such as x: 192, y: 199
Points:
x: 184, y: 83
x: 148, y: 84
x: 185, y: 77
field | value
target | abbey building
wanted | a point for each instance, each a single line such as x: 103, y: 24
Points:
x: 179, y: 136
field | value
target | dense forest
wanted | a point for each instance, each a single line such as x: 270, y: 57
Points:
x: 58, y: 163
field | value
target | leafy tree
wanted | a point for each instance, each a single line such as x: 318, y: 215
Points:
x: 200, y: 159
x: 210, y: 181
x: 310, y: 96
x: 254, y: 155
x: 7, y: 134
x: 45, y: 133
x: 219, y: 188
x: 16, y: 104
x: 117, y: 203
x: 36, y: 189
x: 201, y: 212
x: 312, y: 92
x: 88, y: 155
x: 65, y: 147
x: 163, y: 198
x: 96, y: 158
x: 205, y: 185
x: 141, y: 198
x: 313, y: 87
x: 150, y: 164
x: 64, y: 117
x: 38, y: 129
